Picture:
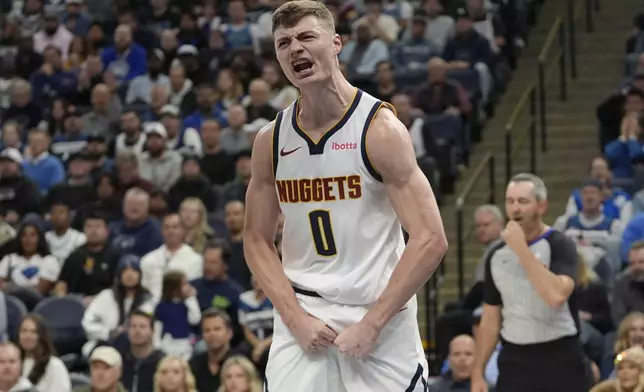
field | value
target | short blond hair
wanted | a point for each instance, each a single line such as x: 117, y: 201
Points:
x: 290, y: 13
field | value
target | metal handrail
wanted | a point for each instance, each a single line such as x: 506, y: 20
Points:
x: 488, y: 162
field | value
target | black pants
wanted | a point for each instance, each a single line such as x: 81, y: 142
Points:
x: 556, y: 366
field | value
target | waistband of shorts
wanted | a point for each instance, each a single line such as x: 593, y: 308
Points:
x: 308, y: 293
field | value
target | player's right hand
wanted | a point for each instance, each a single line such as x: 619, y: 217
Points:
x: 478, y: 384
x: 312, y: 333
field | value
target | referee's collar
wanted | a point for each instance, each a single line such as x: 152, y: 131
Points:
x: 542, y: 236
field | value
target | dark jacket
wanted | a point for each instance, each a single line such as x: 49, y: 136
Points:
x: 140, y: 371
x: 19, y: 194
x: 200, y: 188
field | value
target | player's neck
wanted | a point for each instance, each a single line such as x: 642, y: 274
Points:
x: 321, y: 103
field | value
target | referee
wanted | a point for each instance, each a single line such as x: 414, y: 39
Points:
x: 529, y: 301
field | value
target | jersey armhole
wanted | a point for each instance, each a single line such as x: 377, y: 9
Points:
x: 363, y: 140
x: 275, y: 142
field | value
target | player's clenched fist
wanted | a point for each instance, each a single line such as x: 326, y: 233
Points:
x: 313, y: 334
x: 478, y: 384
x: 358, y: 340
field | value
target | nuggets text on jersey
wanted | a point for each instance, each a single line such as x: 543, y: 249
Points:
x: 306, y: 190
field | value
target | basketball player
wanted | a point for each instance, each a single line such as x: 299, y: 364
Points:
x: 342, y: 169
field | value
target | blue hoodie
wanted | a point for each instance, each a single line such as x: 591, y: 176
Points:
x: 139, y: 240
x: 633, y: 232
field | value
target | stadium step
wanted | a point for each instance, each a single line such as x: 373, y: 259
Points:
x: 572, y: 125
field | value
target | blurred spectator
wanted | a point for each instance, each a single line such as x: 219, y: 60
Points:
x: 107, y: 315
x: 62, y: 239
x: 217, y: 164
x: 30, y: 265
x: 634, y: 232
x: 141, y: 86
x: 385, y: 84
x: 413, y: 53
x: 11, y: 378
x: 217, y: 333
x: 382, y: 26
x: 44, y: 169
x: 173, y: 255
x: 206, y: 108
x: 282, y: 94
x: 230, y: 89
x: 79, y: 188
x: 616, y: 203
x: 131, y: 139
x: 177, y: 312
x: 136, y: 233
x: 442, y: 95
x: 125, y: 60
x: 141, y: 359
x: 96, y: 38
x: 192, y: 183
x: 236, y: 189
x: 612, y: 111
x: 159, y: 98
x: 258, y: 102
x: 233, y: 138
x: 53, y: 33
x: 158, y: 164
x: 18, y: 194
x: 141, y: 35
x: 469, y: 50
x: 590, y: 228
x: 68, y: 139
x: 75, y: 19
x: 158, y: 204
x: 628, y: 147
x: 363, y: 53
x: 630, y: 372
x: 22, y: 109
x: 213, y: 56
x: 181, y: 93
x: 40, y: 365
x: 109, y: 203
x: 127, y: 170
x: 439, y: 27
x: 27, y: 61
x: 52, y: 81
x: 461, y: 361
x: 256, y: 319
x: 239, y: 33
x: 181, y: 139
x: 106, y: 109
x: 96, y: 149
x: 105, y: 369
x: 11, y: 136
x: 174, y: 374
x: 239, y: 374
x: 234, y: 219
x: 194, y: 219
x: 489, y: 222
x: 91, y: 267
x: 486, y: 23
x: 628, y: 295
x: 188, y: 55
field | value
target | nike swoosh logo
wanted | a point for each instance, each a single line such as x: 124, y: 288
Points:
x: 285, y: 153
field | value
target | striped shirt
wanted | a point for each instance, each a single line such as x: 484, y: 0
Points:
x: 527, y: 319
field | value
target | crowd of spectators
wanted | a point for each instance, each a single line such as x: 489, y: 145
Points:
x: 605, y: 218
x: 125, y: 157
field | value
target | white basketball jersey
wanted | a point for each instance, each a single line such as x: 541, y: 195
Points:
x: 341, y: 236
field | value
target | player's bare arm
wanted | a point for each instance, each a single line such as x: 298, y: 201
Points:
x: 262, y: 212
x: 392, y: 155
x: 486, y: 341
x: 552, y: 288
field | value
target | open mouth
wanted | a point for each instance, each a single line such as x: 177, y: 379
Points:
x: 302, y: 66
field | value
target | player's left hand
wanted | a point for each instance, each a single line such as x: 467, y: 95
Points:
x: 358, y: 340
x: 513, y: 236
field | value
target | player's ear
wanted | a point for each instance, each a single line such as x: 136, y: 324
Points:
x: 337, y: 44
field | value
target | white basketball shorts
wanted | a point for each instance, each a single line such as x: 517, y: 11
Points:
x: 397, y: 363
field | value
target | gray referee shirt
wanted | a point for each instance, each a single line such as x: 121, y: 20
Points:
x: 527, y: 319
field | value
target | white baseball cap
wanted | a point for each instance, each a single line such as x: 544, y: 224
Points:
x: 156, y: 128
x: 107, y: 355
x: 11, y: 154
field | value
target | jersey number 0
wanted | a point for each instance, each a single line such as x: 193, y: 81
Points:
x: 322, y: 233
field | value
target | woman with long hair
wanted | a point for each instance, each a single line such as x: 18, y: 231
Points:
x: 39, y: 361
x: 238, y: 374
x: 174, y: 375
x: 230, y: 89
x: 29, y: 270
x: 630, y: 373
x: 107, y: 314
x: 194, y: 218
